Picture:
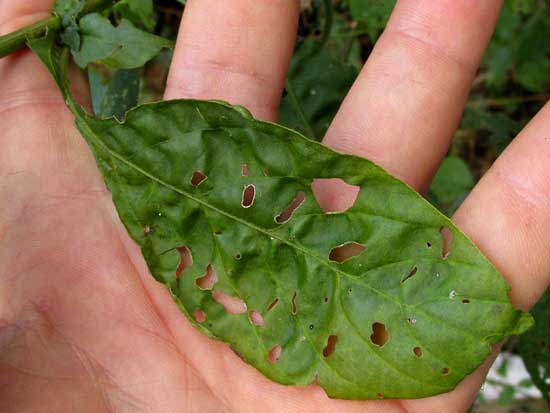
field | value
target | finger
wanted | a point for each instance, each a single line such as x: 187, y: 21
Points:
x: 508, y: 217
x: 407, y: 102
x: 236, y: 51
x: 508, y: 213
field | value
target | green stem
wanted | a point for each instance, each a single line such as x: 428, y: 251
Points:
x: 299, y: 110
x: 328, y: 24
x: 18, y: 39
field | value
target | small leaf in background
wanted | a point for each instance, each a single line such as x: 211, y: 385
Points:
x: 139, y: 12
x: 316, y: 86
x: 68, y: 10
x: 534, y: 347
x: 121, y: 47
x: 372, y: 14
x: 452, y: 182
x: 113, y: 95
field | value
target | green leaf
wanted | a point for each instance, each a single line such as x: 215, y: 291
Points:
x: 374, y: 14
x: 121, y: 47
x: 114, y: 96
x: 69, y: 10
x: 316, y: 86
x: 451, y: 183
x: 207, y: 179
x: 139, y: 12
x: 534, y: 347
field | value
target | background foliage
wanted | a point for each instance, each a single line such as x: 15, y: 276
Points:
x: 335, y: 38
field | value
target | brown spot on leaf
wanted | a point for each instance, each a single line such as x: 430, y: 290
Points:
x: 380, y: 335
x: 346, y: 251
x: 286, y: 214
x: 446, y: 241
x: 198, y: 178
x: 331, y: 346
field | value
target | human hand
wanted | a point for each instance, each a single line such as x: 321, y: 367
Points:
x: 84, y: 327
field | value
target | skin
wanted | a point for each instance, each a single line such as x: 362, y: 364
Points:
x: 84, y: 327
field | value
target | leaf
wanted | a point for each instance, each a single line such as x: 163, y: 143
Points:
x: 374, y: 14
x: 534, y: 347
x: 205, y: 180
x: 114, y: 96
x: 69, y: 10
x: 451, y: 183
x: 139, y: 12
x: 121, y: 47
x: 316, y: 86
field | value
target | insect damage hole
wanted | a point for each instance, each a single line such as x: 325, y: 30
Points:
x: 198, y: 178
x: 417, y: 352
x: 272, y: 305
x: 446, y: 242
x: 330, y: 347
x: 186, y: 260
x: 232, y: 305
x: 244, y: 170
x: 289, y: 210
x: 200, y: 316
x: 380, y: 335
x: 256, y: 318
x: 446, y: 371
x: 274, y: 354
x: 334, y: 194
x: 293, y: 304
x: 411, y: 274
x: 208, y: 280
x: 249, y: 194
x: 346, y: 251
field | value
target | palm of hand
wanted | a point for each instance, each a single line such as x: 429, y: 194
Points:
x: 84, y: 327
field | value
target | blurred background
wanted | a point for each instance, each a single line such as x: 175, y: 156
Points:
x: 335, y: 39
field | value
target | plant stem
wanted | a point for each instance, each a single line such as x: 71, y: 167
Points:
x: 299, y: 110
x: 18, y: 39
x: 328, y: 23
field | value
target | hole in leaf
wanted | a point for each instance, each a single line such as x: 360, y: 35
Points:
x: 200, y: 316
x: 380, y: 395
x: 330, y: 347
x: 294, y: 310
x: 207, y: 281
x: 326, y: 300
x: 256, y: 319
x: 232, y: 305
x: 446, y: 241
x: 311, y: 326
x: 249, y: 193
x: 198, y: 178
x: 274, y: 354
x: 346, y: 251
x: 411, y: 274
x: 244, y: 170
x: 238, y: 257
x: 465, y: 301
x: 186, y: 260
x: 289, y: 210
x: 334, y: 195
x: 417, y: 352
x: 272, y: 305
x: 446, y: 371
x: 148, y: 230
x: 379, y: 334
x: 429, y: 244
